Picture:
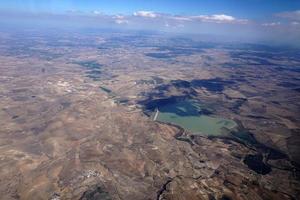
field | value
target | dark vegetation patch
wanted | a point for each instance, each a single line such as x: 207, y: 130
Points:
x: 257, y: 117
x: 288, y: 84
x: 137, y: 40
x: 231, y: 65
x: 293, y: 144
x: 186, y: 91
x: 265, y: 51
x: 213, y: 85
x: 251, y: 58
x: 65, y: 104
x: 237, y: 105
x: 159, y: 55
x: 276, y: 102
x: 105, y: 89
x: 163, y: 189
x: 151, y: 104
x: 293, y: 86
x: 183, y: 87
x: 175, y: 47
x: 297, y: 89
x: 123, y: 101
x: 225, y: 197
x: 172, y: 52
x: 206, y: 111
x: 143, y: 81
x: 289, y: 69
x: 29, y: 51
x: 244, y: 136
x: 155, y: 80
x: 190, y: 109
x: 95, y: 193
x: 180, y: 83
x: 93, y: 69
x: 211, y: 197
x: 255, y: 163
x: 94, y: 74
x: 91, y: 65
x: 240, y: 78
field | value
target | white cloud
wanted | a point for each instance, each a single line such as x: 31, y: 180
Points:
x: 288, y: 18
x: 216, y: 18
x: 181, y: 18
x: 148, y: 14
x: 219, y: 18
x: 166, y: 20
x: 97, y: 12
x: 120, y: 19
x: 291, y: 15
x: 271, y: 24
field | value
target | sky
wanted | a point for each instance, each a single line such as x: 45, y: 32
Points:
x: 276, y: 21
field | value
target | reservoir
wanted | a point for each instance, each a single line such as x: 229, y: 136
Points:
x: 187, y: 114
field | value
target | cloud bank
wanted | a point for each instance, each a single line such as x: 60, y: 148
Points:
x: 147, y: 14
x: 216, y: 18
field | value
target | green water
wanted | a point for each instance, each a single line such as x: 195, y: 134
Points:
x: 186, y: 114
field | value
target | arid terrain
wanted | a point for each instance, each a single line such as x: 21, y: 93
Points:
x: 76, y: 118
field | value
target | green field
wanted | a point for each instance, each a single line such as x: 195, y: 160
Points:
x: 186, y: 114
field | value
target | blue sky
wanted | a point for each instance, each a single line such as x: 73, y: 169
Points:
x: 245, y: 20
x: 240, y: 8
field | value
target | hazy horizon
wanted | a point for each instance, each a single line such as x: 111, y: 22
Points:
x: 276, y: 23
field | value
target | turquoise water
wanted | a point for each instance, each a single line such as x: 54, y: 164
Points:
x: 186, y: 114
